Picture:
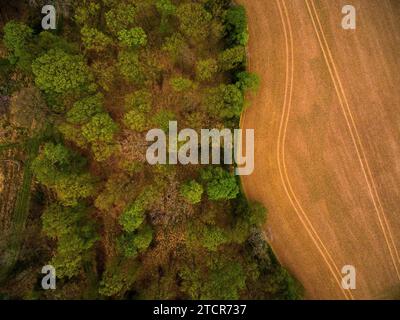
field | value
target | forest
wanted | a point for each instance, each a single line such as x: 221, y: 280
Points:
x: 76, y: 191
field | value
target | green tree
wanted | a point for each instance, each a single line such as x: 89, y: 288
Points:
x: 192, y: 191
x: 166, y: 8
x: 52, y: 161
x: 75, y: 234
x: 194, y: 21
x: 135, y: 37
x: 253, y: 212
x: 118, y: 277
x: 102, y: 150
x: 132, y: 218
x: 225, y: 101
x: 130, y: 67
x: 174, y: 45
x: 105, y: 73
x: 100, y: 128
x: 209, y: 237
x: 143, y: 238
x: 16, y: 36
x: 58, y: 220
x: 59, y: 72
x: 133, y: 243
x: 68, y: 260
x: 232, y: 58
x: 62, y: 170
x: 71, y: 252
x: 162, y: 118
x: 134, y: 215
x: 16, y: 39
x: 181, y: 84
x: 50, y: 41
x: 223, y: 280
x: 248, y: 216
x: 136, y: 120
x: 87, y: 13
x: 94, y: 39
x: 247, y: 81
x: 83, y: 110
x: 70, y: 188
x: 120, y: 17
x: 236, y: 25
x: 206, y: 69
x: 140, y: 100
x: 72, y: 133
x: 221, y: 185
x: 213, y: 237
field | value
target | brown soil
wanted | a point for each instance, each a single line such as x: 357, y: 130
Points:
x: 327, y: 146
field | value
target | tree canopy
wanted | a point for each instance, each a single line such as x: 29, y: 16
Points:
x: 192, y: 191
x: 135, y: 37
x: 221, y: 185
x: 59, y: 72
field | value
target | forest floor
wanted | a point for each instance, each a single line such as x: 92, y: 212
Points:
x: 327, y: 143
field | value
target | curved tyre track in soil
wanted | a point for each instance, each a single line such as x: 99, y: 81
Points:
x: 287, y: 28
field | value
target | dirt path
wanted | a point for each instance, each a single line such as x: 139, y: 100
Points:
x: 20, y: 211
x: 327, y: 141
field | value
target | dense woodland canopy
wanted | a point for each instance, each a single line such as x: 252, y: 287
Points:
x: 77, y: 102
